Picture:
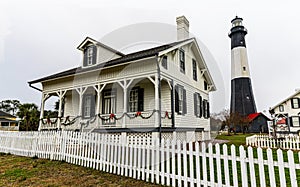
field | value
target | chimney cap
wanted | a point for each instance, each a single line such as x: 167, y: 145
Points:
x: 183, y: 19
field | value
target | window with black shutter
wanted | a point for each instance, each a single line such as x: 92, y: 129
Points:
x: 205, y: 109
x: 136, y: 99
x: 88, y: 106
x: 180, y: 100
x: 197, y: 105
x: 182, y: 61
x: 164, y: 62
x: 294, y: 121
x: 295, y: 102
x: 194, y: 70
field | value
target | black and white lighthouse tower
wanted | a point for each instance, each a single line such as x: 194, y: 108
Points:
x: 242, y: 99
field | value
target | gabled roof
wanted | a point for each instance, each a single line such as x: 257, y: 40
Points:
x: 5, y: 114
x: 126, y: 58
x: 253, y: 116
x: 95, y: 42
x: 296, y: 93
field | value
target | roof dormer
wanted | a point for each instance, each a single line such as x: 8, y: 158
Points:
x: 95, y: 52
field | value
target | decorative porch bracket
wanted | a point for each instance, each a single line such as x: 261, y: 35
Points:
x: 44, y: 98
x: 61, y: 95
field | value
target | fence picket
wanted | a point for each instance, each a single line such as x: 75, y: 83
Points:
x: 191, y: 163
x: 218, y: 160
x: 226, y: 166
x: 271, y: 167
x: 281, y: 168
x: 292, y: 168
x: 234, y: 167
x: 261, y: 167
x: 251, y: 167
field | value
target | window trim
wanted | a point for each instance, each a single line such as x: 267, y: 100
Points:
x: 139, y: 101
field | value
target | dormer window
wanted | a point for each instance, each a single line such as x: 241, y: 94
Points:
x: 90, y: 55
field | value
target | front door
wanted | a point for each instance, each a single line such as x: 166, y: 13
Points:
x: 109, y: 105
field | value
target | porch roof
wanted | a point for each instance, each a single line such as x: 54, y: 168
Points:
x: 4, y: 114
x: 126, y: 58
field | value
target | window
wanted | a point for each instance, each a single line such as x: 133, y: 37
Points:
x: 4, y: 124
x: 164, y: 62
x: 281, y: 108
x: 109, y: 105
x: 244, y: 68
x: 180, y: 99
x: 197, y: 105
x: 295, y: 121
x: 295, y: 102
x: 136, y: 100
x: 194, y: 70
x: 87, y: 106
x: 182, y: 61
x: 90, y: 55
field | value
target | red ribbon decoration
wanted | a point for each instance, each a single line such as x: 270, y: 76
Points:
x: 111, y: 116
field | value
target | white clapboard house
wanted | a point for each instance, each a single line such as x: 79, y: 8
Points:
x: 163, y: 90
x: 287, y: 113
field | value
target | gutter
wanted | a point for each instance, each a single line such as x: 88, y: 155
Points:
x: 30, y: 85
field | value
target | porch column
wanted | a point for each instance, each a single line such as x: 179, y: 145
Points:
x: 98, y: 89
x: 125, y: 86
x: 80, y: 91
x: 44, y: 98
x: 61, y: 95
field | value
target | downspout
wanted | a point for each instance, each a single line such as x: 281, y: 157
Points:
x: 159, y: 98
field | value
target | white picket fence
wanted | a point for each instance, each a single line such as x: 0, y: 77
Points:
x: 265, y: 141
x: 174, y: 164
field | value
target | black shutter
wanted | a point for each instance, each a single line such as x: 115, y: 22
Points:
x: 291, y: 121
x: 184, y: 101
x: 141, y: 99
x: 176, y: 99
x: 201, y: 107
x: 85, y: 57
x: 195, y: 105
x: 94, y: 55
x: 208, y: 111
x: 93, y: 105
x: 292, y: 104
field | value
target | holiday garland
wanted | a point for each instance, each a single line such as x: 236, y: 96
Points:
x: 111, y: 116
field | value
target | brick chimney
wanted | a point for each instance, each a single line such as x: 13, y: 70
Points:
x: 182, y: 28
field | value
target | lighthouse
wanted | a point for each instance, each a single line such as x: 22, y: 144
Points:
x: 242, y: 99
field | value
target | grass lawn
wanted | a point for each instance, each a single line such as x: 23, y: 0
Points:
x: 236, y: 139
x: 23, y: 171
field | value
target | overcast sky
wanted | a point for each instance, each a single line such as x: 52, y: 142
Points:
x: 38, y: 38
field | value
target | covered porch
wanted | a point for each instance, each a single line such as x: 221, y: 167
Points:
x: 130, y: 103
